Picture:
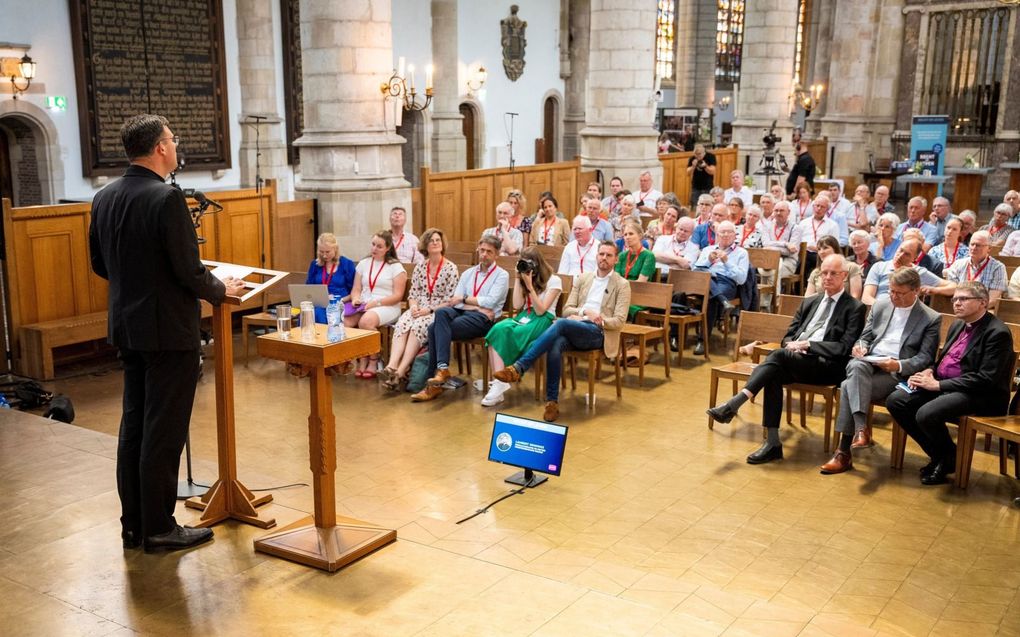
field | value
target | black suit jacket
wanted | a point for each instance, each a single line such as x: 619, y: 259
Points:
x: 143, y: 241
x: 841, y: 333
x: 985, y: 367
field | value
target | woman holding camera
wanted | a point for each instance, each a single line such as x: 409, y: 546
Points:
x: 534, y: 302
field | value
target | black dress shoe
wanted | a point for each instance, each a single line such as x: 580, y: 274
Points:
x: 938, y: 475
x: 179, y: 537
x: 765, y: 453
x: 721, y: 413
x: 131, y: 539
x: 699, y: 349
x: 926, y: 469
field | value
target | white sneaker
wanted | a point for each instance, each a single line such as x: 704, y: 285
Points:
x: 495, y: 396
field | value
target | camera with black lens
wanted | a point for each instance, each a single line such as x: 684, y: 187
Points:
x: 526, y: 266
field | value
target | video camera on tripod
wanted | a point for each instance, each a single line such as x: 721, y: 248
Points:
x: 770, y: 154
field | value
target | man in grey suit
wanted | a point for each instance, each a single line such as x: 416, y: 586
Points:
x: 899, y: 339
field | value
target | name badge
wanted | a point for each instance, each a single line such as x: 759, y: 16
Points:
x: 524, y: 320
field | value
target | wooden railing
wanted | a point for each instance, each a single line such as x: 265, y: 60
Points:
x: 463, y: 203
x: 676, y: 180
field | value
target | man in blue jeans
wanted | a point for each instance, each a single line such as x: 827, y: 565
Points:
x: 595, y: 311
x: 476, y: 304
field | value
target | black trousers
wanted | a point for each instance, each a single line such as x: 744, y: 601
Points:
x: 783, y: 367
x: 159, y: 392
x: 923, y: 415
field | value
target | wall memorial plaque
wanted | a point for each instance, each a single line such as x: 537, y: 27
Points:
x: 150, y: 56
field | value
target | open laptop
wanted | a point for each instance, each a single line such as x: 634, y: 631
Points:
x: 318, y: 294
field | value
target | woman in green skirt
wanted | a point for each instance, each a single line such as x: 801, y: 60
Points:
x: 534, y: 304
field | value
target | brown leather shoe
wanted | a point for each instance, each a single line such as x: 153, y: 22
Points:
x: 508, y: 374
x: 862, y: 438
x: 841, y: 461
x: 427, y: 394
x: 442, y: 375
x: 552, y: 411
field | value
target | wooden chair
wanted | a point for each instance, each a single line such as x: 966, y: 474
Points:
x: 464, y: 347
x: 1011, y: 263
x: 654, y: 296
x: 461, y: 246
x: 1007, y: 428
x: 551, y: 253
x: 994, y: 250
x: 798, y: 280
x: 788, y: 304
x: 1008, y: 311
x: 941, y: 304
x: 464, y: 260
x: 766, y: 261
x: 695, y: 285
x: 509, y: 264
x: 753, y: 326
x: 594, y: 358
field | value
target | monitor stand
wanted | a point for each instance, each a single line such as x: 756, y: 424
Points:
x: 526, y: 478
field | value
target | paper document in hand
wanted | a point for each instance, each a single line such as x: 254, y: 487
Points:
x: 237, y: 271
x: 871, y: 358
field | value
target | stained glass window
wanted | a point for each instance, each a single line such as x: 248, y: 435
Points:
x: 729, y: 41
x: 664, y: 41
x: 800, y: 49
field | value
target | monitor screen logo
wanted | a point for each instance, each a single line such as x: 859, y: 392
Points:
x: 504, y: 442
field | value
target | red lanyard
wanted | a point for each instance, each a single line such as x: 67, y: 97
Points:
x: 919, y: 257
x: 397, y: 246
x: 431, y: 280
x: 371, y: 268
x: 980, y: 270
x: 814, y: 229
x: 779, y: 232
x: 744, y: 236
x: 580, y: 257
x: 711, y: 236
x: 630, y: 263
x: 858, y: 215
x: 997, y: 229
x: 546, y: 229
x: 678, y: 248
x: 945, y: 251
x: 478, y: 288
x: 327, y: 275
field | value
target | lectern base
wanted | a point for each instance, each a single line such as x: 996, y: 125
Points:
x: 327, y: 548
x: 230, y: 500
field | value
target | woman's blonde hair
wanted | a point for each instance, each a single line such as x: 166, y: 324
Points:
x: 519, y: 196
x: 325, y: 240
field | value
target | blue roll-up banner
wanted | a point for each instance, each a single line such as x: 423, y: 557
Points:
x: 928, y: 143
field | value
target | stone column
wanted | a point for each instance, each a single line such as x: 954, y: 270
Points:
x: 256, y: 60
x: 575, y: 76
x: 449, y: 148
x: 618, y: 136
x: 769, y: 38
x: 695, y: 53
x: 860, y: 112
x: 818, y: 60
x: 350, y: 152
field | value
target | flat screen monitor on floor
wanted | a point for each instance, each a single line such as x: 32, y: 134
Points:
x: 532, y: 445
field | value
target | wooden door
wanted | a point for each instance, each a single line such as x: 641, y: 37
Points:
x: 468, y: 128
x: 6, y: 181
x: 548, y: 131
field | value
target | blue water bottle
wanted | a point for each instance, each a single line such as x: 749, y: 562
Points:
x: 334, y: 321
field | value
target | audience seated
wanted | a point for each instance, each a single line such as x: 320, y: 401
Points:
x: 654, y: 229
x: 917, y: 210
x: 704, y: 233
x: 636, y: 263
x: 379, y: 282
x: 899, y: 339
x: 979, y: 266
x: 881, y: 203
x: 330, y: 269
x: 627, y: 212
x: 595, y: 311
x: 801, y: 206
x: 839, y: 209
x: 970, y: 376
x: 767, y: 204
x: 1012, y: 197
x: 815, y: 350
x: 999, y: 229
x: 510, y: 238
x: 854, y: 281
x: 646, y: 195
x: 581, y: 254
x: 476, y: 304
x: 752, y: 233
x: 433, y: 283
x: 876, y: 285
x: 778, y: 237
x: 969, y: 219
x: 735, y: 211
x: 945, y: 254
x: 941, y: 214
x: 549, y: 227
x: 611, y: 203
x: 728, y: 263
x: 703, y: 210
x: 862, y: 213
x: 922, y: 259
x: 860, y: 252
x: 813, y: 228
x: 676, y: 251
x: 778, y: 192
x: 738, y: 189
x: 717, y: 195
x: 886, y: 241
x: 534, y: 304
x: 520, y: 220
x: 591, y: 207
x: 404, y: 243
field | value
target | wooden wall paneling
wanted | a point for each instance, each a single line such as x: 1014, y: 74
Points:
x: 479, y: 210
x: 502, y: 184
x: 417, y: 213
x: 293, y: 240
x: 819, y: 150
x: 444, y: 206
x: 535, y: 183
x: 565, y: 188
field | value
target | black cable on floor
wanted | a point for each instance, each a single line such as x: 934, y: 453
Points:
x: 488, y: 506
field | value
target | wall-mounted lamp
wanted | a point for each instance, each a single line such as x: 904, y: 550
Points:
x: 809, y: 98
x: 476, y: 79
x: 723, y: 103
x: 21, y: 73
x: 399, y: 87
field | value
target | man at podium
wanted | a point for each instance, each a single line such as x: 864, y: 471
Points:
x: 142, y: 240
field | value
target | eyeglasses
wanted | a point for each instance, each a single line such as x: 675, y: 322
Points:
x: 176, y: 139
x: 961, y: 299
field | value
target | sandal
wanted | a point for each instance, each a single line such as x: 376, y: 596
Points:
x: 368, y: 374
x: 388, y: 374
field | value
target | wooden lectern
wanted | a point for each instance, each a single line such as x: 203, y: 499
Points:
x: 969, y: 182
x: 319, y: 541
x: 228, y: 498
x: 1014, y: 174
x: 927, y: 186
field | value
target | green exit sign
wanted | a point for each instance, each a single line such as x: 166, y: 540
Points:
x: 56, y: 103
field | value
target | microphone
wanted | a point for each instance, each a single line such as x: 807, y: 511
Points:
x: 203, y: 201
x: 514, y: 114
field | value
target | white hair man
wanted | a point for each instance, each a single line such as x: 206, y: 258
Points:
x: 813, y: 228
x: 999, y: 229
x: 511, y: 238
x: 581, y: 254
x: 979, y: 265
x: 917, y: 208
x: 728, y: 263
x: 676, y: 251
x: 646, y: 195
x: 737, y: 189
x: 1012, y: 197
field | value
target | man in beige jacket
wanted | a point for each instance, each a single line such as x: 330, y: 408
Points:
x: 595, y: 311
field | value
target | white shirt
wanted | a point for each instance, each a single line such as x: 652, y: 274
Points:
x: 810, y: 231
x: 648, y: 196
x: 889, y: 344
x: 744, y: 194
x: 820, y: 333
x: 668, y: 244
x: 406, y: 246
x: 596, y: 293
x: 577, y: 259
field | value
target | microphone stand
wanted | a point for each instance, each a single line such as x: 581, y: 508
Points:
x: 511, y: 144
x: 258, y: 186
